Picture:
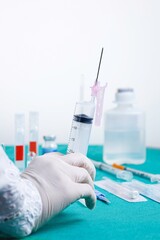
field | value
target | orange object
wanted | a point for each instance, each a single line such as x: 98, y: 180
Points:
x: 118, y: 166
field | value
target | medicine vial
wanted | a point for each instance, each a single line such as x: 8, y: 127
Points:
x: 124, y: 131
x: 49, y: 144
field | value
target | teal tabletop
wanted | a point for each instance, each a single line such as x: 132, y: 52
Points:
x: 118, y: 220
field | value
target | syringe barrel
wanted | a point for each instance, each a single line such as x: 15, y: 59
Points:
x: 81, y: 127
x: 86, y: 107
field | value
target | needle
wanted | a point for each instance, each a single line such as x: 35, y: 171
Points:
x: 99, y: 66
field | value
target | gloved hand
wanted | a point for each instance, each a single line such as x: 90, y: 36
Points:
x: 61, y: 180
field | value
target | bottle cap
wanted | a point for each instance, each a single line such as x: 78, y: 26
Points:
x: 49, y: 137
x: 125, y: 95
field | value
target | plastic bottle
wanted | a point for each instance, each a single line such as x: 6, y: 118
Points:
x: 49, y: 144
x: 124, y: 138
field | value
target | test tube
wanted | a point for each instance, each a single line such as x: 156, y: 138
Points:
x: 33, y: 133
x: 20, y: 141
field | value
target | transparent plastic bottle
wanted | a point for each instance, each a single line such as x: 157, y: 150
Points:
x: 49, y: 144
x: 124, y: 137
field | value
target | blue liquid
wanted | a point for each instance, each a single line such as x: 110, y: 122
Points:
x: 48, y: 150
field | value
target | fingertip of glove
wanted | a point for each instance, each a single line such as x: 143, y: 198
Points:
x: 91, y: 204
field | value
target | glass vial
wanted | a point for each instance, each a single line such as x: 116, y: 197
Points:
x: 49, y: 144
x: 124, y: 137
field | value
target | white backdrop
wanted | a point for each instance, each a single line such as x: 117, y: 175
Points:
x: 45, y: 46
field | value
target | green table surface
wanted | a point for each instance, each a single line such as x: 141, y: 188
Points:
x: 118, y: 220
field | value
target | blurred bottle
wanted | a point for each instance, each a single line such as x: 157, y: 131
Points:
x: 49, y: 144
x: 124, y: 137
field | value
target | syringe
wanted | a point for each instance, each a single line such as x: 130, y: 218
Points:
x: 125, y: 175
x: 152, y: 177
x: 83, y: 118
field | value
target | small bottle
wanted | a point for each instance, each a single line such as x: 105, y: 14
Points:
x: 49, y: 144
x: 124, y: 138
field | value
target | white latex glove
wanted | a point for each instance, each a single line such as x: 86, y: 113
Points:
x: 61, y: 180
